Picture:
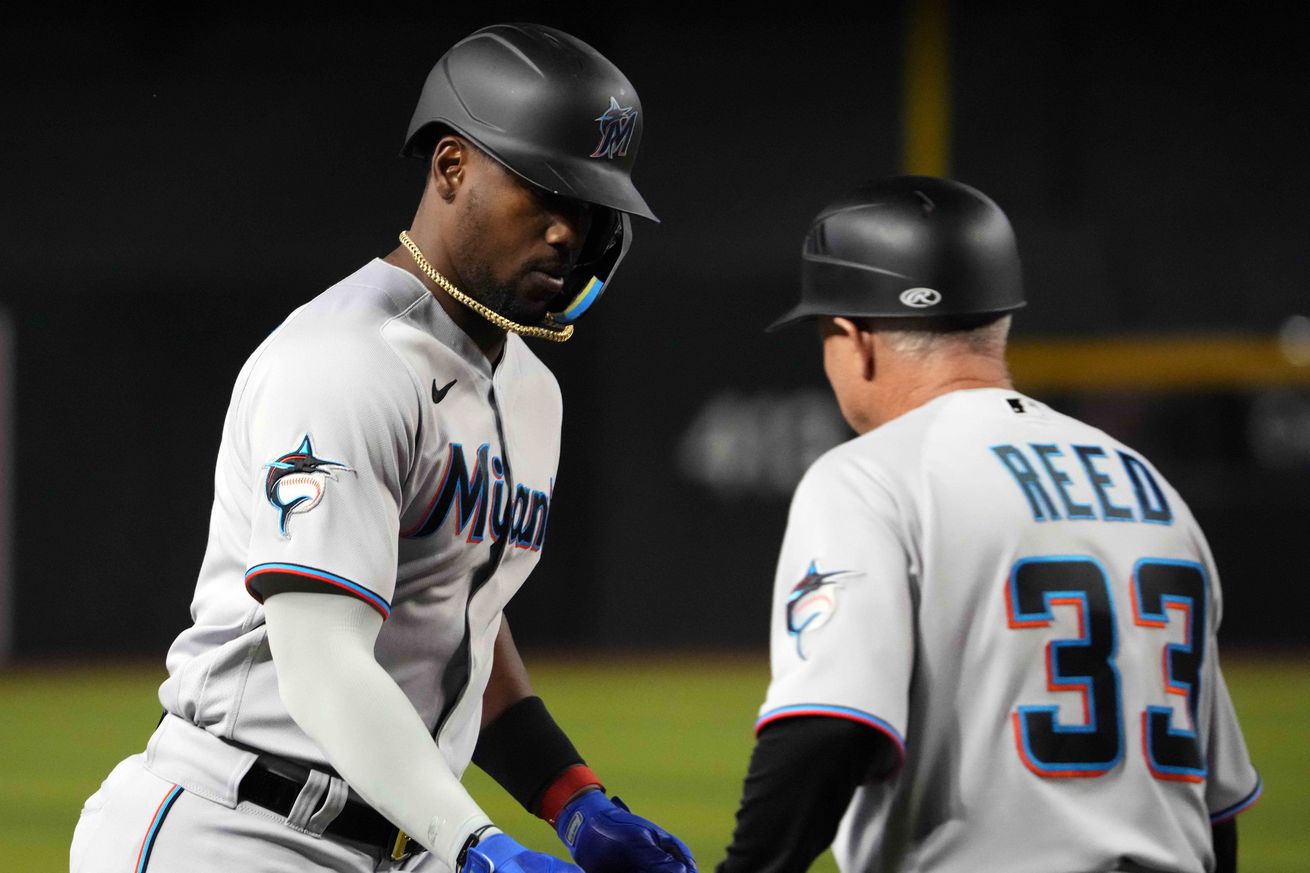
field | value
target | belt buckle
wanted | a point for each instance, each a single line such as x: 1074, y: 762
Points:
x: 400, y: 848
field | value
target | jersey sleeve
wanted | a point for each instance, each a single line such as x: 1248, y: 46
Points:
x: 841, y: 639
x: 1232, y: 784
x: 329, y: 435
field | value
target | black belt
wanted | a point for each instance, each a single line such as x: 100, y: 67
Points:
x: 277, y: 790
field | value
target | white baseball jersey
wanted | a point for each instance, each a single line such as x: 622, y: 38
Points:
x: 370, y: 451
x: 1027, y: 609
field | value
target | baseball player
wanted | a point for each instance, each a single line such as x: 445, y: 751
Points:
x: 383, y: 488
x: 993, y: 626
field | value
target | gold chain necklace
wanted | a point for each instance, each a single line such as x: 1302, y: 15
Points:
x: 547, y: 330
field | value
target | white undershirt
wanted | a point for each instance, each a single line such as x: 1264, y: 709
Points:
x: 340, y: 696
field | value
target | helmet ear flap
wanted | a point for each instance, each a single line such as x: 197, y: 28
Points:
x: 607, y: 243
x: 606, y: 230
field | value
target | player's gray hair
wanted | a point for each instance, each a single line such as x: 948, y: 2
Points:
x: 921, y: 337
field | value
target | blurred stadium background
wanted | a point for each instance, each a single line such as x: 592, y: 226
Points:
x: 177, y: 179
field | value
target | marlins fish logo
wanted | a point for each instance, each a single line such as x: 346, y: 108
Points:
x: 296, y: 481
x: 811, y: 603
x: 617, y: 124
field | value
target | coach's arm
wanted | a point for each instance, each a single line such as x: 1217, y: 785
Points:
x: 1225, y: 846
x: 802, y: 775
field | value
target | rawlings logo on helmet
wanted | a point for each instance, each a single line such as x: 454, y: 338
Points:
x: 921, y: 298
x: 617, y: 124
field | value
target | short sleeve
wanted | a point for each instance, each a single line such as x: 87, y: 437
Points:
x: 841, y: 639
x: 1232, y: 784
x: 329, y: 435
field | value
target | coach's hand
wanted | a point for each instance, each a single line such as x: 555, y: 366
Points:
x: 604, y: 837
x: 501, y: 854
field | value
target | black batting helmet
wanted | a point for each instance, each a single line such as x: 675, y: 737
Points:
x: 555, y: 112
x: 909, y: 246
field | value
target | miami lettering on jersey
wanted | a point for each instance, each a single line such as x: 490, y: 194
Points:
x: 523, y: 518
x: 1123, y: 488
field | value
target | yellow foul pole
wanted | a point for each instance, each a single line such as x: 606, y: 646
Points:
x: 926, y: 111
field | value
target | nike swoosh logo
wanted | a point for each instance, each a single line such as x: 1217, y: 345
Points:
x: 439, y: 394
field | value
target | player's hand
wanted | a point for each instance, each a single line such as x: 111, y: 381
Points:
x: 501, y: 854
x: 605, y: 837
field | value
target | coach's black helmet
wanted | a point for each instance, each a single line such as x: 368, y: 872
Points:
x: 555, y: 112
x: 909, y: 246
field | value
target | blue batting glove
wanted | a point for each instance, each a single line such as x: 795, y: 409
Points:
x: 604, y: 837
x: 501, y: 854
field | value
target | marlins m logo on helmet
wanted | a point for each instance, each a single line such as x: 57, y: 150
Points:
x: 617, y: 124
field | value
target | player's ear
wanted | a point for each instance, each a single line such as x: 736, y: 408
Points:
x: 836, y: 324
x: 866, y: 349
x: 857, y: 339
x: 449, y: 167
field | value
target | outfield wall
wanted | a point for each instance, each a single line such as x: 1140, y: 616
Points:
x: 187, y: 181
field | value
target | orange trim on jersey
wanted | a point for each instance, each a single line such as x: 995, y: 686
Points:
x: 1072, y: 601
x: 352, y: 588
x: 152, y: 828
x: 1036, y: 768
x: 1186, y: 609
x: 1137, y: 615
x: 825, y: 710
x: 1010, y: 610
x: 1146, y: 754
x: 1051, y: 684
x: 1227, y: 815
x: 1163, y: 623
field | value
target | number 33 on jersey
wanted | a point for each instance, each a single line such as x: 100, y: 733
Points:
x: 1086, y: 665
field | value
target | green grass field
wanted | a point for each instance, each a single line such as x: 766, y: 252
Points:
x: 671, y: 736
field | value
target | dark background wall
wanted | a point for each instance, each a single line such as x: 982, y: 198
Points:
x: 176, y: 182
